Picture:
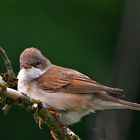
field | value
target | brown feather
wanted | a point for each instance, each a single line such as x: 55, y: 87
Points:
x: 71, y: 81
x: 128, y: 105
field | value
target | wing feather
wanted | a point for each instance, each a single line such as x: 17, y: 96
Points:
x: 71, y: 81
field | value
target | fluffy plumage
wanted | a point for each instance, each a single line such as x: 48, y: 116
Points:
x: 64, y: 90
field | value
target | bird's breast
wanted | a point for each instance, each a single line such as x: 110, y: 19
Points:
x: 25, y: 76
x: 23, y: 86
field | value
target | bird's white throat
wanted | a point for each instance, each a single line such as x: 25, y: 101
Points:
x: 26, y: 75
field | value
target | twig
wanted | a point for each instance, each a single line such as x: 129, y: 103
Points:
x: 7, y: 62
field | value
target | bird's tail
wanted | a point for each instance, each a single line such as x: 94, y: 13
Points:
x: 105, y: 101
x: 130, y: 105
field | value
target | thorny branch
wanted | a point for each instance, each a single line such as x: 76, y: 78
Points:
x: 8, y: 96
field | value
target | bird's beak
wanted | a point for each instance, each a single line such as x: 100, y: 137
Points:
x: 26, y: 66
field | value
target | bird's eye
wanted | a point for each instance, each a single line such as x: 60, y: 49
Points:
x: 37, y: 63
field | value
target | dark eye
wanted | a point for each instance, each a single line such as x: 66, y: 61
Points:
x: 37, y: 63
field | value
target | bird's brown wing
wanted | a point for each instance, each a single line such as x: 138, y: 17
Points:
x: 71, y: 81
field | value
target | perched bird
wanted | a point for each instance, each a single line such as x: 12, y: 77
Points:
x: 64, y: 90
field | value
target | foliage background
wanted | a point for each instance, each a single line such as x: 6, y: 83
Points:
x: 80, y: 34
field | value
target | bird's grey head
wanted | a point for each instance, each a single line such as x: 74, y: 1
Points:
x: 32, y: 57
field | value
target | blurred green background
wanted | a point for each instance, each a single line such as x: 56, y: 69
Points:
x: 81, y: 34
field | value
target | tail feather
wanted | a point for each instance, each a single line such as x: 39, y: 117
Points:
x: 111, y: 102
x: 130, y: 105
x: 113, y: 90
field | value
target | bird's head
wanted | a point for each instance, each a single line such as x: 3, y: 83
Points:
x: 33, y: 63
x: 32, y: 57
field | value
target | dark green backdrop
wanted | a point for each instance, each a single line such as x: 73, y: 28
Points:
x: 80, y: 34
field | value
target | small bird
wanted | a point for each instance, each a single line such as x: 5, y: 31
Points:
x: 64, y: 90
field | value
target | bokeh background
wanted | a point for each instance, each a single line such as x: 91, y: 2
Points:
x: 97, y: 37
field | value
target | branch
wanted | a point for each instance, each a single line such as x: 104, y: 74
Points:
x: 41, y: 114
x: 9, y: 77
x: 7, y: 62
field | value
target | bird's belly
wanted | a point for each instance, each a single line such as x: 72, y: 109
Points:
x: 71, y: 106
x: 66, y: 101
x: 62, y: 101
x: 73, y: 117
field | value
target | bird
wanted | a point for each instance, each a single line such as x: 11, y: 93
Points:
x: 66, y: 91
